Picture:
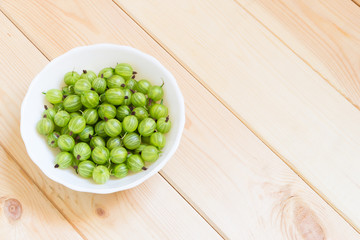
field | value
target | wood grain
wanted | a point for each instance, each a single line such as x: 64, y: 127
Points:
x: 25, y: 213
x: 326, y: 34
x: 287, y: 104
x: 150, y: 211
x: 221, y: 168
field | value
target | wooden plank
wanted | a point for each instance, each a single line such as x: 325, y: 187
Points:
x: 300, y: 116
x: 221, y: 168
x: 326, y: 34
x: 25, y: 212
x: 150, y: 211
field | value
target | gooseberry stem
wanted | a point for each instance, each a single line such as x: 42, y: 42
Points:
x: 76, y: 169
x: 56, y: 166
x: 102, y: 75
x: 84, y: 71
x: 167, y: 119
x: 144, y: 168
x: 46, y: 107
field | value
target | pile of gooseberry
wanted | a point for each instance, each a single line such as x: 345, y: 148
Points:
x: 105, y: 124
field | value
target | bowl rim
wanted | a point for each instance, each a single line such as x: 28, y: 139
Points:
x: 171, y: 152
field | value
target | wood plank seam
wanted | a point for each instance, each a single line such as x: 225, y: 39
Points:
x: 42, y: 192
x: 1, y: 11
x: 195, y: 208
x: 293, y: 51
x: 356, y: 3
x: 206, y: 219
x: 223, y: 102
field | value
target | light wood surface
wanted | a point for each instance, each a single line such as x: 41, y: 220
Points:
x: 25, y: 212
x: 287, y: 104
x: 325, y: 34
x: 227, y: 175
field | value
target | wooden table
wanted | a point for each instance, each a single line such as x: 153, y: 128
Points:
x: 271, y: 147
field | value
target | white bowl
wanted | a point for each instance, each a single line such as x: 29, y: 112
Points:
x: 96, y: 57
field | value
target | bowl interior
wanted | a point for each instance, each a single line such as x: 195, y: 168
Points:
x: 95, y: 58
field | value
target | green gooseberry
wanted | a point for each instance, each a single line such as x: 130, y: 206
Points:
x: 103, y: 98
x: 138, y: 99
x: 90, y: 99
x: 140, y: 113
x: 127, y: 98
x: 140, y: 148
x: 68, y: 90
x: 147, y: 127
x: 54, y: 96
x: 118, y: 155
x: 62, y: 118
x: 45, y: 126
x: 82, y: 151
x: 71, y: 78
x: 113, y: 143
x: 77, y: 124
x: 99, y: 85
x: 86, y: 168
x: 112, y: 127
x: 72, y: 103
x: 129, y: 154
x: 132, y: 141
x: 75, y: 114
x: 150, y: 153
x: 101, y: 174
x: 65, y: 131
x: 158, y: 111
x: 120, y: 170
x: 86, y: 133
x: 158, y: 140
x: 143, y: 86
x: 52, y: 139
x: 156, y: 93
x: 82, y: 85
x: 163, y: 124
x: 66, y: 143
x: 106, y: 111
x: 100, y: 155
x: 106, y: 72
x: 97, y: 141
x: 99, y: 129
x: 91, y: 116
x: 115, y: 96
x: 130, y: 123
x: 124, y: 69
x: 122, y: 112
x: 88, y: 75
x: 131, y: 83
x: 58, y: 106
x: 63, y: 160
x: 135, y: 163
x: 49, y: 113
x: 115, y: 81
x: 145, y: 139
